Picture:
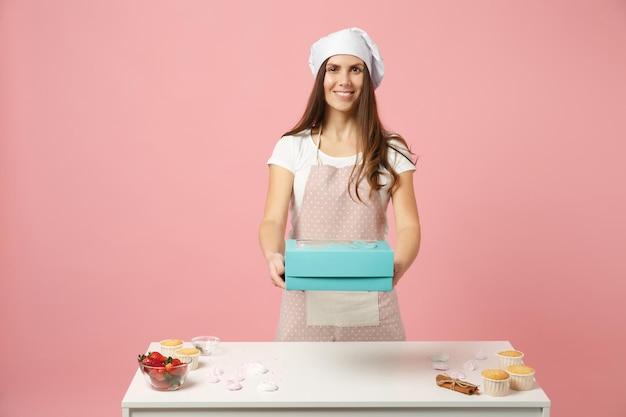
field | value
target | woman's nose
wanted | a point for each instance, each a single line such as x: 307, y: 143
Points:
x: 345, y: 78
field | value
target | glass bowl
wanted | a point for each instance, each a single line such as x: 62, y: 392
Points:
x: 205, y: 344
x: 163, y: 378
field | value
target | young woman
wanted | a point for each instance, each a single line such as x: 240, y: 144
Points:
x: 336, y: 172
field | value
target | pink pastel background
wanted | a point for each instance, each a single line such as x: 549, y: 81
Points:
x: 133, y: 144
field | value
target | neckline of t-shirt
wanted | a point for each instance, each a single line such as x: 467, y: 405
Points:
x: 336, y: 158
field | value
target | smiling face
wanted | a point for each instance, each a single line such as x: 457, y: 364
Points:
x: 343, y: 82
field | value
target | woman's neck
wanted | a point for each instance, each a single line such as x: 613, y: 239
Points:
x: 339, y: 127
x: 338, y: 138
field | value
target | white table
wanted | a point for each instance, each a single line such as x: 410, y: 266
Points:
x: 331, y: 379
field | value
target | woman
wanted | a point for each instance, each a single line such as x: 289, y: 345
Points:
x: 337, y: 170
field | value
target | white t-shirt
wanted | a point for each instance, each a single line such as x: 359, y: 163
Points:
x: 297, y: 153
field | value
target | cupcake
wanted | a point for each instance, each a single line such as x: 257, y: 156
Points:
x: 507, y: 358
x: 188, y: 355
x: 522, y: 377
x: 496, y: 382
x: 169, y: 346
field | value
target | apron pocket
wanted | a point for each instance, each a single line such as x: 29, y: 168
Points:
x: 342, y: 308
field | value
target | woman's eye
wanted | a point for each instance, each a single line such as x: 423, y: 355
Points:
x: 356, y: 69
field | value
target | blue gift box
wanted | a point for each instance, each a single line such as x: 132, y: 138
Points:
x: 338, y: 265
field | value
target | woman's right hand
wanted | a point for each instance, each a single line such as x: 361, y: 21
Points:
x: 276, y: 266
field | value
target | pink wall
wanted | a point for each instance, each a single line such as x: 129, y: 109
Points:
x: 134, y: 136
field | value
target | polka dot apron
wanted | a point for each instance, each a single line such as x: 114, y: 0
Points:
x: 330, y: 212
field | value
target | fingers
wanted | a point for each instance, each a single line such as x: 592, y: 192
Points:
x: 278, y: 280
x: 277, y: 283
x: 277, y: 272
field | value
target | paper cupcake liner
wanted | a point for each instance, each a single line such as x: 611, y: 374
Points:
x: 522, y: 382
x: 494, y: 388
x: 506, y: 361
x: 169, y: 350
x: 192, y: 360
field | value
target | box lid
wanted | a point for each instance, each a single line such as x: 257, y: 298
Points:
x: 338, y: 258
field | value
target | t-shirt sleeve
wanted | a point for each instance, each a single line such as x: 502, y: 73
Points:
x: 284, y: 154
x: 400, y: 157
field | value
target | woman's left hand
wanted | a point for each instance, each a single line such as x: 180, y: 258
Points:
x: 276, y: 266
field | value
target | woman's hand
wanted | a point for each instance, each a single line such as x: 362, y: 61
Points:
x: 398, y: 271
x: 276, y: 266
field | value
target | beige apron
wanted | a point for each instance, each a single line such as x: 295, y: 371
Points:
x: 329, y: 212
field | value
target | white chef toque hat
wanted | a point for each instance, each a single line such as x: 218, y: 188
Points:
x: 352, y: 41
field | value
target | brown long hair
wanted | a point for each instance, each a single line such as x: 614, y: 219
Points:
x: 374, y: 142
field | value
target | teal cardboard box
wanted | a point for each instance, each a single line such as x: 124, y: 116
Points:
x: 338, y: 265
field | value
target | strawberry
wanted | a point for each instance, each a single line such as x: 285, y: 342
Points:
x: 152, y: 362
x: 176, y: 370
x: 156, y: 355
x: 157, y: 374
x: 151, y: 359
x: 161, y: 385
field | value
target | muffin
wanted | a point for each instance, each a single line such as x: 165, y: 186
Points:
x: 522, y: 377
x: 507, y: 358
x: 169, y: 346
x: 188, y: 355
x: 496, y: 382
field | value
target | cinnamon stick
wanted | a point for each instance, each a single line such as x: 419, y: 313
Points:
x: 445, y: 381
